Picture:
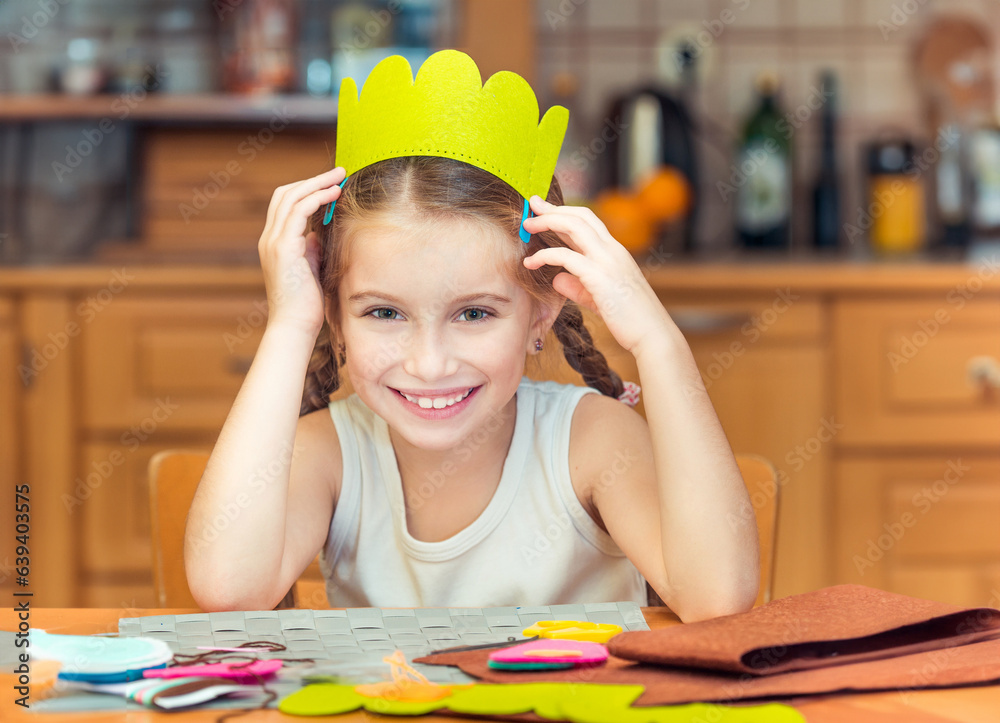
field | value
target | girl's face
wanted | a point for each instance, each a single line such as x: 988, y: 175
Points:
x: 426, y: 313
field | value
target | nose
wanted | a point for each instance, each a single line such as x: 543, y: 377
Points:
x: 429, y: 356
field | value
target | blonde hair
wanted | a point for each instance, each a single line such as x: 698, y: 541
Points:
x: 433, y: 188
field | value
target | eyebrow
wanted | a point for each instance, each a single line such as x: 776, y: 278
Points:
x: 482, y: 296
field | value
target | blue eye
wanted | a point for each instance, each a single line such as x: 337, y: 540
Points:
x: 385, y: 313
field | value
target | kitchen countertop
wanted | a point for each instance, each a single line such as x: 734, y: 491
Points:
x: 739, y: 271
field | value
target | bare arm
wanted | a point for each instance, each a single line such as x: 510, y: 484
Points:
x: 678, y: 507
x: 681, y: 520
x: 263, y: 505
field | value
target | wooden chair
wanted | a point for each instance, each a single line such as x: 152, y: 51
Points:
x: 173, y: 478
x: 761, y: 481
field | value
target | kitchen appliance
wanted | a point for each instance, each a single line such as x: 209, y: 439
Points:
x: 648, y: 128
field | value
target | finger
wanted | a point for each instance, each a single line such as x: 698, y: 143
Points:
x: 572, y: 288
x: 574, y: 262
x: 541, y: 206
x: 295, y: 192
x: 573, y: 229
x: 295, y: 222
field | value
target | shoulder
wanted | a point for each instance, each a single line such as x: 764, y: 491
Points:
x: 609, y: 443
x: 317, y: 447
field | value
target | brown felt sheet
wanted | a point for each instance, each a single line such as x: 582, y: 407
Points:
x: 883, y: 642
x: 832, y: 626
x: 943, y: 668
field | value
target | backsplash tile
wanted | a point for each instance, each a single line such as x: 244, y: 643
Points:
x: 869, y: 44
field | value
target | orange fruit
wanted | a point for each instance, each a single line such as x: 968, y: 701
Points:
x: 625, y: 218
x: 665, y: 195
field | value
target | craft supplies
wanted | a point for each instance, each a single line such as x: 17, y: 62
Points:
x: 549, y: 655
x: 99, y: 659
x: 238, y: 672
x: 573, y: 630
x: 577, y: 702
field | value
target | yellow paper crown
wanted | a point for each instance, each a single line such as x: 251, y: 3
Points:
x: 448, y: 112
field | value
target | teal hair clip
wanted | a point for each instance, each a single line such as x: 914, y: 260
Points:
x: 525, y: 236
x: 329, y: 209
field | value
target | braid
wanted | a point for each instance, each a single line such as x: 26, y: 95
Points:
x: 582, y: 355
x: 322, y: 375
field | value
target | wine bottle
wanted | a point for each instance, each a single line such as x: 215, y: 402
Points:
x: 826, y: 232
x: 764, y: 196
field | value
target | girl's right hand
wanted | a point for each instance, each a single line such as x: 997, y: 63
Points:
x: 290, y: 257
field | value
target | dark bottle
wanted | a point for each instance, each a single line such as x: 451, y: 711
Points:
x: 764, y: 172
x: 827, y: 230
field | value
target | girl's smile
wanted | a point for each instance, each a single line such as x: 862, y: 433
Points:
x: 438, y: 406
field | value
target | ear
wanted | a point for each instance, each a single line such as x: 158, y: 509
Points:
x: 546, y: 314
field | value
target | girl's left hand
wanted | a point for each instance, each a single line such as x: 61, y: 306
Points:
x: 600, y: 274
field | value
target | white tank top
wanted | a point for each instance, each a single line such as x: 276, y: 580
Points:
x: 534, y: 544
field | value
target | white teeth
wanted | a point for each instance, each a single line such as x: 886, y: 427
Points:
x: 437, y: 402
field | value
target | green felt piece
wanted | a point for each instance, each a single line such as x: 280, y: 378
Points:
x: 498, y: 665
x: 577, y: 702
x: 584, y: 696
x: 322, y: 699
x: 596, y: 711
x: 485, y: 699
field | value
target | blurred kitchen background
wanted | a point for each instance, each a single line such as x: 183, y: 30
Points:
x: 811, y: 186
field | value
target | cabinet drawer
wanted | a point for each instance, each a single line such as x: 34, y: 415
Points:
x: 782, y: 316
x: 920, y: 526
x: 903, y: 372
x: 167, y: 364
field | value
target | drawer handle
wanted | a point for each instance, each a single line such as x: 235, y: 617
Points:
x: 240, y: 365
x: 984, y: 372
x: 708, y: 322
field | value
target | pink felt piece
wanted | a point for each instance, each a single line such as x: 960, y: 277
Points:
x: 579, y: 652
x: 237, y: 670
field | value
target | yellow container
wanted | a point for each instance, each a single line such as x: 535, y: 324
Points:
x: 897, y: 209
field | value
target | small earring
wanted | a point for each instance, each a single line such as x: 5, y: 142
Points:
x: 538, y: 345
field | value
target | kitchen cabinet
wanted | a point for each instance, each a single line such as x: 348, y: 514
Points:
x: 921, y: 524
x: 917, y: 477
x: 10, y: 442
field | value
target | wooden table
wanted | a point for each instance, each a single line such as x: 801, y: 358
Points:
x: 968, y: 705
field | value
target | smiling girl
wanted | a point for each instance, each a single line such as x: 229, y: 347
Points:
x: 448, y: 478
